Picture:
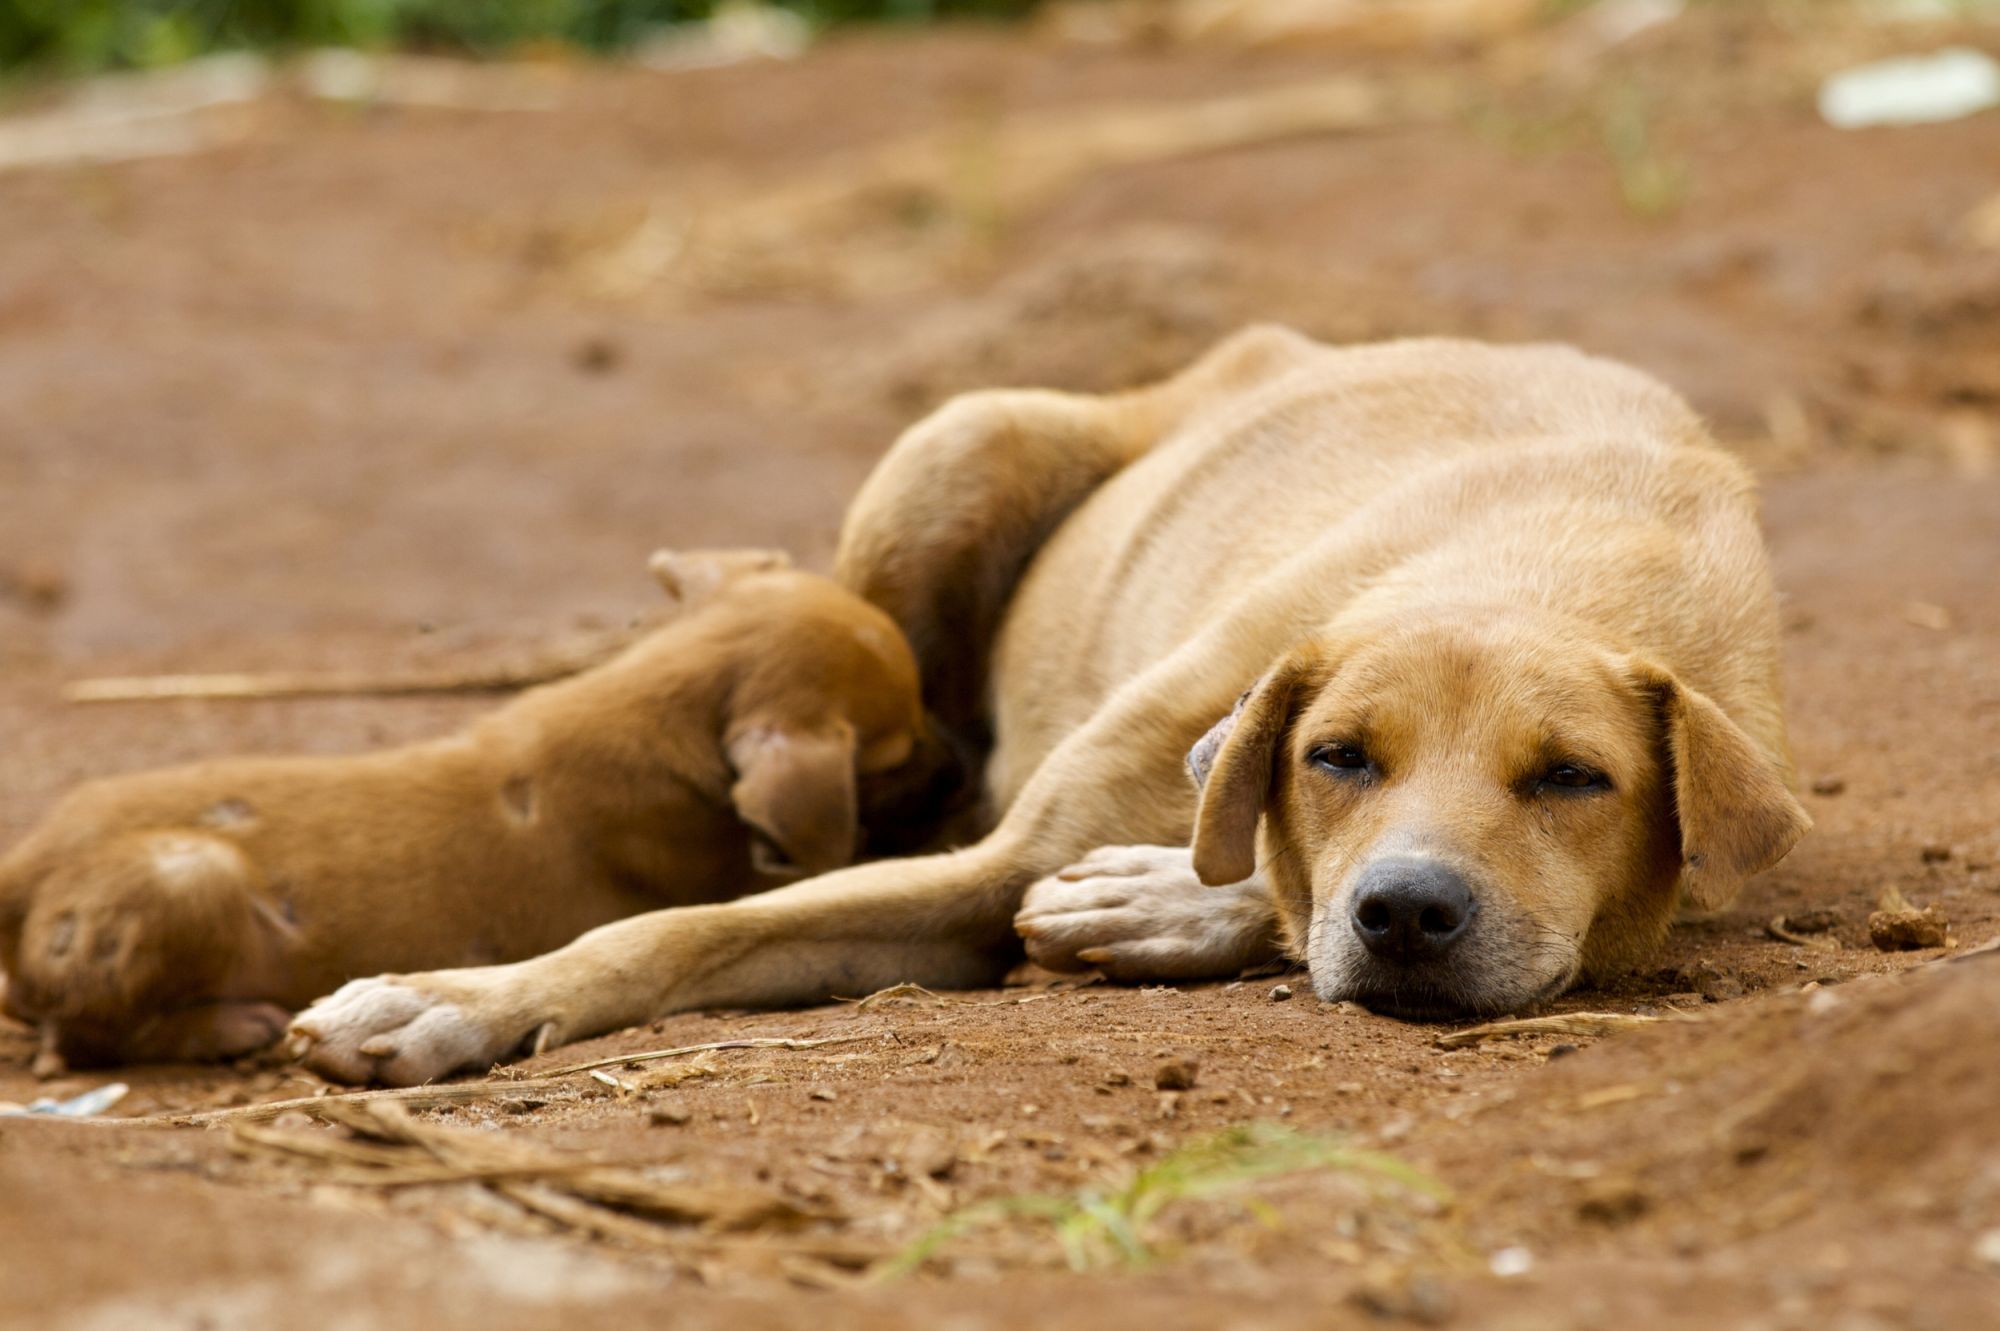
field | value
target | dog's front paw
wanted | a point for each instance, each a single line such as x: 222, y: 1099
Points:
x: 403, y: 1030
x: 1140, y: 913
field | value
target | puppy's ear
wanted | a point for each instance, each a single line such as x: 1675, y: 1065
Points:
x: 796, y: 789
x: 1233, y: 763
x: 692, y: 576
x: 1736, y: 816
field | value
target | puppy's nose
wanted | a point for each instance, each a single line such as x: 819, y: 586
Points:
x: 1411, y: 911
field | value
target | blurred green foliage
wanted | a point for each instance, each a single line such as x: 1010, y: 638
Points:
x: 76, y: 36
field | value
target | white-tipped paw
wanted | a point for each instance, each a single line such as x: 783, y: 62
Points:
x: 1140, y: 913
x: 403, y: 1030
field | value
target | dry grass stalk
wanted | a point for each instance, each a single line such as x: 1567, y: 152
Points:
x: 1779, y: 929
x: 653, y: 1055
x: 907, y: 990
x: 330, y: 684
x: 392, y: 1148
x: 1562, y: 1023
x: 503, y: 1087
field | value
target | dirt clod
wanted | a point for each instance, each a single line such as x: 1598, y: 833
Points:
x: 1176, y: 1073
x: 1907, y: 930
x: 1280, y: 992
x: 1829, y: 785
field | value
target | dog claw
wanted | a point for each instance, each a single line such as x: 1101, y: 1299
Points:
x: 379, y: 1046
x: 544, y: 1038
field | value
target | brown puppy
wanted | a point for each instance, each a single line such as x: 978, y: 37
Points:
x: 1509, y: 641
x: 184, y: 913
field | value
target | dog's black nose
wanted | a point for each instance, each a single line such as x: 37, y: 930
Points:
x: 1411, y: 911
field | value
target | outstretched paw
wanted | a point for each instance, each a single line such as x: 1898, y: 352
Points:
x: 1140, y: 913
x: 403, y: 1030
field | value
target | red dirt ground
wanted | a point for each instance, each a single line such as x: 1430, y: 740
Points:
x: 354, y: 392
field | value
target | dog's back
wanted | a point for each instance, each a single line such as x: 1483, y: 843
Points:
x: 1361, y: 478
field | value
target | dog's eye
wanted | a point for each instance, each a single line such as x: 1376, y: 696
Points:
x: 1339, y: 757
x: 1574, y: 776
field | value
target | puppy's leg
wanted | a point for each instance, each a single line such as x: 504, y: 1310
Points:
x: 1141, y: 913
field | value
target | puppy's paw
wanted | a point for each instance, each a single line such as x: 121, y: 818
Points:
x: 1140, y: 913
x: 403, y: 1030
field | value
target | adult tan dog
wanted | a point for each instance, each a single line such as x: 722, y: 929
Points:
x: 186, y: 913
x: 1510, y: 643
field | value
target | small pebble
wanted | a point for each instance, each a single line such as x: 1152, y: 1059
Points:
x: 1829, y: 785
x: 1510, y: 1262
x: 669, y: 1115
x: 1280, y: 992
x: 822, y: 1093
x: 1176, y: 1074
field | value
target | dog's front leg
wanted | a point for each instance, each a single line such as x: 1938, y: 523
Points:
x: 938, y: 920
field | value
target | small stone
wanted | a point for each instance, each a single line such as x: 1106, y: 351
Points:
x: 668, y: 1114
x: 1907, y: 930
x: 1613, y: 1201
x: 1115, y: 1077
x: 1829, y: 785
x: 526, y: 1104
x: 597, y: 355
x: 1561, y: 1050
x: 1176, y: 1073
x: 1280, y: 993
x: 1511, y: 1262
x: 1418, y: 1299
x: 1814, y: 921
x: 929, y: 1152
x: 1935, y: 854
x: 1986, y: 1250
x: 1712, y: 982
x: 821, y: 1093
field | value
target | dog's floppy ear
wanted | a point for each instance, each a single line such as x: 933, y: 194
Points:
x: 1233, y: 763
x: 1736, y: 816
x: 692, y: 576
x: 796, y: 789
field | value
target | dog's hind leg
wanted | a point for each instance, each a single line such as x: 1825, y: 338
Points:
x: 945, y: 525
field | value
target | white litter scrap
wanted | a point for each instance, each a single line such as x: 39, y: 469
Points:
x: 88, y: 1105
x: 1912, y: 90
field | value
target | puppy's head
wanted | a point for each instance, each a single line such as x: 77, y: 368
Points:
x: 825, y: 718
x: 1466, y: 814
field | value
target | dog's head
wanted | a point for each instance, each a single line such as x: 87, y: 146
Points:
x: 1468, y: 813
x: 825, y: 728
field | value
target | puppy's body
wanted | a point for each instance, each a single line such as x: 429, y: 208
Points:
x: 1509, y: 647
x: 171, y: 913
